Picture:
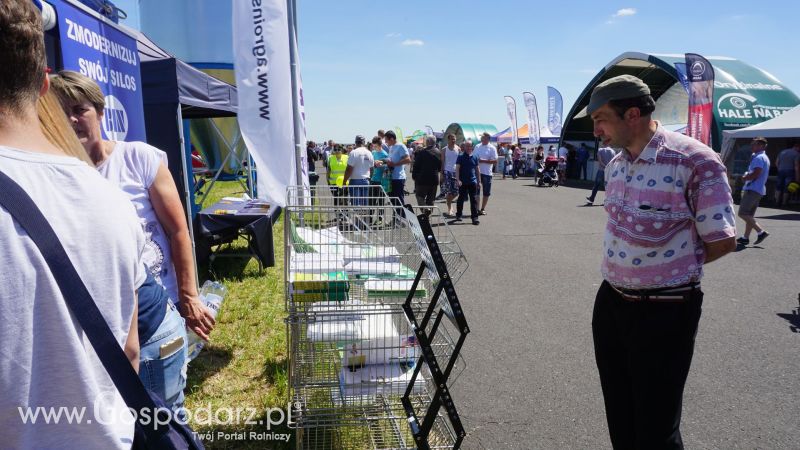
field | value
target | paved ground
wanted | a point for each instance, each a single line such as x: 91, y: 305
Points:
x: 531, y: 380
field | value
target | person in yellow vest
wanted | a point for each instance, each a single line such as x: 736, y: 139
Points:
x: 337, y: 164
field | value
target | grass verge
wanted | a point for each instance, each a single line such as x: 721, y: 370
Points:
x: 242, y: 370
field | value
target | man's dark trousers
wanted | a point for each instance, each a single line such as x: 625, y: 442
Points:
x: 599, y: 181
x: 399, y: 194
x: 467, y: 190
x: 426, y: 195
x: 643, y: 352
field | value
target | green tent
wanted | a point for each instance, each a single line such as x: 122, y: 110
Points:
x: 469, y: 131
x: 744, y: 95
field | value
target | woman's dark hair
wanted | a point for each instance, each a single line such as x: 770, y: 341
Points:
x: 645, y: 103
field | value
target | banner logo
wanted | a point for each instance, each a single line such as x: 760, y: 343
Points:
x: 115, y: 119
x: 738, y: 102
x: 742, y: 106
x: 698, y: 69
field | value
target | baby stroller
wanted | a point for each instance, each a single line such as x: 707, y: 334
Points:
x: 548, y: 174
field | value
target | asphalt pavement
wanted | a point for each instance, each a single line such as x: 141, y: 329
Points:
x: 531, y: 380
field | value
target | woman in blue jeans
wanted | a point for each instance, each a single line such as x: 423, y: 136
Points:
x: 162, y: 342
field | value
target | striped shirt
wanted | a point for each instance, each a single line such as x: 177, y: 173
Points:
x: 661, y: 208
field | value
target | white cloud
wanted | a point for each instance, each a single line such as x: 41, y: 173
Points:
x: 393, y: 35
x: 625, y: 12
x: 413, y: 42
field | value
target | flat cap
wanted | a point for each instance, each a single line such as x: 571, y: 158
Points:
x: 617, y: 88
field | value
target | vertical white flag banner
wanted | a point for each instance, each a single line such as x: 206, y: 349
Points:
x: 511, y: 108
x: 533, y: 118
x: 263, y: 80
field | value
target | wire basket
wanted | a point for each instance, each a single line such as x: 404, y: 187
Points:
x: 364, y: 372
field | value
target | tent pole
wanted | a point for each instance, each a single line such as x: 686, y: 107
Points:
x: 189, y: 194
x: 224, y: 161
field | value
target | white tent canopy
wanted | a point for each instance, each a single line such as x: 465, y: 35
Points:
x: 786, y: 125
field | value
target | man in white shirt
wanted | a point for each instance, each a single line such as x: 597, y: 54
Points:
x: 46, y: 361
x: 359, y: 163
x: 487, y: 158
x: 449, y: 157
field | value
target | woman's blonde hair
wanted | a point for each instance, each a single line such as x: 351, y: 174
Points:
x: 57, y: 129
x: 72, y: 86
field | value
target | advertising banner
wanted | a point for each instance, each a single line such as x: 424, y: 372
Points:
x: 555, y: 110
x: 533, y: 118
x: 700, y: 75
x: 511, y: 108
x: 263, y: 79
x: 110, y: 58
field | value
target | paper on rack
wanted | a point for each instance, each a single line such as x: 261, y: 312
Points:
x: 321, y: 237
x: 315, y: 263
x: 377, y: 379
x: 371, y: 253
x: 367, y: 267
x: 388, y: 285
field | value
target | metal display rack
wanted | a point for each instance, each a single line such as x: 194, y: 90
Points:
x: 374, y: 326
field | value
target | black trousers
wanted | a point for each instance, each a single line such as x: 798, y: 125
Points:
x: 425, y: 196
x: 398, y: 195
x: 376, y: 196
x: 467, y: 190
x: 339, y: 195
x: 643, y: 352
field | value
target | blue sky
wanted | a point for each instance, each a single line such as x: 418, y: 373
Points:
x: 369, y: 64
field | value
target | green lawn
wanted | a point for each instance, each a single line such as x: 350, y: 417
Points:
x: 244, y: 365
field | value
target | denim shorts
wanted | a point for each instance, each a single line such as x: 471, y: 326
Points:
x: 165, y: 375
x: 450, y: 187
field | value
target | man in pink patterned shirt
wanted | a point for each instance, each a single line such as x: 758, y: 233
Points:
x: 669, y: 212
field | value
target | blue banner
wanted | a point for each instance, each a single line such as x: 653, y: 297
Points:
x: 109, y: 57
x: 555, y: 107
x: 681, y: 69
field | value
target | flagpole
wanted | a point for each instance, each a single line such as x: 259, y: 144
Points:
x: 298, y: 151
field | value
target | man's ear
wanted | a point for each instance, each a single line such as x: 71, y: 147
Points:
x: 633, y: 114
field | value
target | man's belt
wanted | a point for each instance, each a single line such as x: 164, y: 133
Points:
x: 671, y: 294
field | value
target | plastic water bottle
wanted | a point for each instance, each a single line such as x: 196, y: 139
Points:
x: 211, y: 296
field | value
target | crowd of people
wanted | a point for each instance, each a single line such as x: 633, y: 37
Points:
x: 358, y: 173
